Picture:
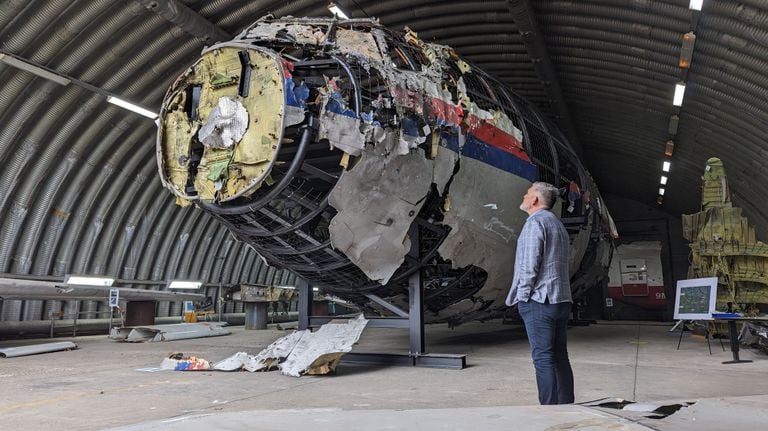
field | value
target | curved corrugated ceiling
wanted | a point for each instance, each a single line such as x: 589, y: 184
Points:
x: 79, y: 191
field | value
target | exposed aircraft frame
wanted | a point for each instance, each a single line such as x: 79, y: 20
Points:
x: 417, y: 137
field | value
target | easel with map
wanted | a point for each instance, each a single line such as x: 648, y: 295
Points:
x: 695, y: 302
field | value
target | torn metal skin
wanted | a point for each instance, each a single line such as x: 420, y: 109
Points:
x: 354, y: 135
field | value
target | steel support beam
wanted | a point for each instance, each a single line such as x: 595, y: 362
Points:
x: 305, y: 303
x: 523, y: 15
x: 187, y: 19
x: 415, y: 297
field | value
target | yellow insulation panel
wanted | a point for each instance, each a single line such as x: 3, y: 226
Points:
x: 225, y: 173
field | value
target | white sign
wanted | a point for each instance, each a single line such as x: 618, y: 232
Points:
x: 695, y: 299
x: 114, y: 298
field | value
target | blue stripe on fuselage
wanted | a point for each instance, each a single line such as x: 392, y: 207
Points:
x: 476, y: 149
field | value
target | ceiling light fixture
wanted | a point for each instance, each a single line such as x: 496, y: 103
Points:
x: 679, y: 93
x: 336, y: 11
x: 686, y: 52
x: 85, y: 280
x: 661, y: 191
x: 184, y: 284
x: 131, y: 107
x: 663, y: 180
x: 669, y: 148
x: 31, y: 68
x: 665, y: 166
x: 674, y: 121
x: 695, y: 4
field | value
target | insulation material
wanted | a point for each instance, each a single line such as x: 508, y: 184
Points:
x: 357, y: 43
x: 240, y: 140
x: 377, y: 200
x: 225, y: 125
x: 177, y: 131
x: 298, y: 33
x: 503, y: 123
x: 319, y: 352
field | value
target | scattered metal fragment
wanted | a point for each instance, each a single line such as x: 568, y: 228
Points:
x: 320, y: 352
x: 637, y: 411
x: 12, y: 352
x: 301, y: 352
x: 178, y: 331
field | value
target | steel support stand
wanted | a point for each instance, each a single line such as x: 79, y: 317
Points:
x: 734, y: 344
x: 413, y: 321
x: 305, y: 303
x: 415, y: 299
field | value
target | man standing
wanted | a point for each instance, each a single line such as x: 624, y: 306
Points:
x: 542, y: 292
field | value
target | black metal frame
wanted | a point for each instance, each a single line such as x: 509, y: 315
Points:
x: 413, y: 320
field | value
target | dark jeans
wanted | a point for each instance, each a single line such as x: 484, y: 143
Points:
x: 546, y: 325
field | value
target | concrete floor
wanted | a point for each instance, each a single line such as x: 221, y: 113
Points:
x: 101, y: 385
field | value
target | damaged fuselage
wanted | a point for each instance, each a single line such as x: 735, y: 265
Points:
x: 321, y: 143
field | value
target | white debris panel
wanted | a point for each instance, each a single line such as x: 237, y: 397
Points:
x: 302, y: 352
x: 179, y: 331
x: 265, y: 360
x: 12, y: 352
x: 378, y: 200
x: 319, y: 352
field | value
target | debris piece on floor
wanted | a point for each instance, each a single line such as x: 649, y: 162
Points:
x: 12, y: 352
x: 320, y: 352
x: 635, y: 411
x: 232, y: 363
x: 276, y: 352
x: 177, y: 331
x: 302, y: 352
x: 265, y: 360
x: 179, y: 362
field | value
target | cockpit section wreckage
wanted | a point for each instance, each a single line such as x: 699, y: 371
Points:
x: 333, y: 147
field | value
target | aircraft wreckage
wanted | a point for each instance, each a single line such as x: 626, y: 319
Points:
x: 334, y: 147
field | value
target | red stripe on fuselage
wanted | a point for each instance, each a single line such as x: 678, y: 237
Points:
x: 453, y: 114
x: 492, y: 135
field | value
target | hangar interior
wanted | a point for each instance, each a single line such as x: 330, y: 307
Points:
x: 276, y: 165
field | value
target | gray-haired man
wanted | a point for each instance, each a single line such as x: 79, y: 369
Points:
x: 542, y: 292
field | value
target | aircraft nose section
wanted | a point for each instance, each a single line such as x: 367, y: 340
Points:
x: 222, y: 123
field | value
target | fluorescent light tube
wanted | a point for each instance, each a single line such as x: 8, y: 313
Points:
x: 663, y: 180
x: 82, y: 280
x: 131, y: 107
x: 679, y: 93
x: 181, y: 284
x: 695, y: 4
x: 665, y: 166
x: 337, y: 11
x: 31, y: 68
x: 661, y: 191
